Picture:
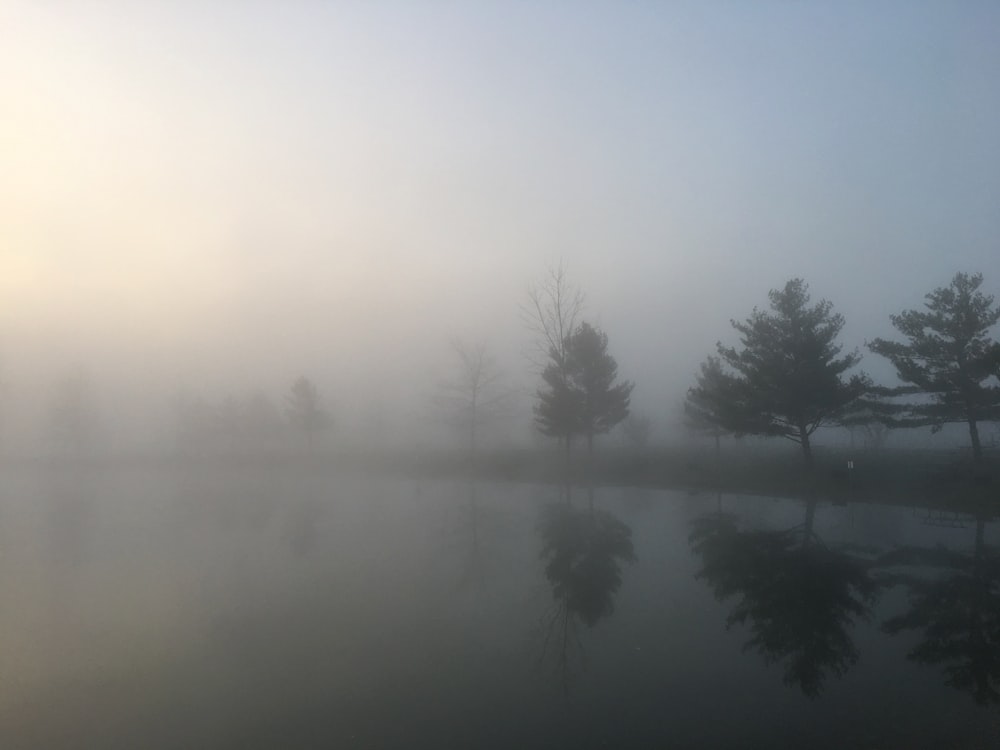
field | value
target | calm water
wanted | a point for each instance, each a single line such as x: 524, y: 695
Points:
x: 257, y: 608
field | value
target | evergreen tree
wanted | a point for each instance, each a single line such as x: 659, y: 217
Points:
x: 581, y: 396
x: 950, y: 357
x: 557, y: 413
x: 711, y: 406
x: 602, y: 403
x: 787, y: 379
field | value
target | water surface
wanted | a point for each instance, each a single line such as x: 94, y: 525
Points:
x: 251, y: 607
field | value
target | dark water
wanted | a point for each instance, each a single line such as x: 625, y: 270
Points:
x: 253, y: 608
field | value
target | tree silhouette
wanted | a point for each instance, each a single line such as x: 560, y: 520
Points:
x: 603, y: 403
x: 786, y: 380
x: 582, y: 397
x: 798, y: 597
x: 551, y: 313
x: 955, y: 606
x: 635, y: 430
x: 558, y: 410
x: 475, y: 393
x: 583, y: 553
x: 305, y: 409
x: 949, y: 356
x: 712, y: 404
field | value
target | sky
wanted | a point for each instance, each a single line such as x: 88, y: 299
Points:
x: 223, y: 196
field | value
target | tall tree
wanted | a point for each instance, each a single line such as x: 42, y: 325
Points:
x: 950, y: 357
x: 602, y: 402
x: 557, y: 413
x: 787, y: 379
x: 709, y: 405
x: 305, y: 409
x: 581, y: 396
x: 475, y: 392
x: 553, y: 307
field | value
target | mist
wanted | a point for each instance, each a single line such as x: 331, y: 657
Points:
x: 225, y: 201
x: 268, y: 276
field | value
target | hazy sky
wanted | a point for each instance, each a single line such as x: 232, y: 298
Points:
x: 227, y: 194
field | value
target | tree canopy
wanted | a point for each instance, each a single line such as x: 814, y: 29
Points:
x: 787, y: 379
x: 582, y: 396
x: 949, y: 356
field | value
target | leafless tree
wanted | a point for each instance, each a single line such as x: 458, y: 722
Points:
x: 551, y: 312
x: 476, y: 391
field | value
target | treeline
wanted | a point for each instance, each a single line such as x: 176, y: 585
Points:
x: 196, y: 425
x: 789, y: 376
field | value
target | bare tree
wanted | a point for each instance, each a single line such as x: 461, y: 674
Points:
x: 551, y: 312
x: 475, y: 392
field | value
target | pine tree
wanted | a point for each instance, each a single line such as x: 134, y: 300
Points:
x: 950, y: 357
x: 787, y: 380
x: 593, y: 372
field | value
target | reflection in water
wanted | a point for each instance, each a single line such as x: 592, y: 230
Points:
x: 799, y: 597
x: 583, y: 553
x: 955, y: 605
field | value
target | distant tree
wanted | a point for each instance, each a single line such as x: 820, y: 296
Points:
x: 602, y: 402
x: 636, y: 429
x: 867, y: 418
x: 712, y: 404
x: 558, y: 410
x: 553, y: 307
x: 73, y: 415
x: 786, y: 380
x: 581, y: 396
x: 305, y: 410
x: 475, y: 392
x: 950, y: 357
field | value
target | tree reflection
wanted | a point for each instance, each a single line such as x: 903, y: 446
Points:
x: 584, y: 552
x: 955, y: 606
x: 799, y: 597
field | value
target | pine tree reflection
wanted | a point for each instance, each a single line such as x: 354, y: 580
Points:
x: 798, y: 597
x: 583, y: 552
x: 955, y: 606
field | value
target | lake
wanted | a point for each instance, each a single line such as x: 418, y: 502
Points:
x: 268, y: 606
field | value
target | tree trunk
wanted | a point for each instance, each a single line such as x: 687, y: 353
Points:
x: 569, y: 465
x: 806, y: 448
x: 807, y: 530
x: 590, y: 458
x: 977, y: 448
x: 474, y: 508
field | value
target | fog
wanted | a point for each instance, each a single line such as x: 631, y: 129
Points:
x: 221, y: 200
x: 289, y: 457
